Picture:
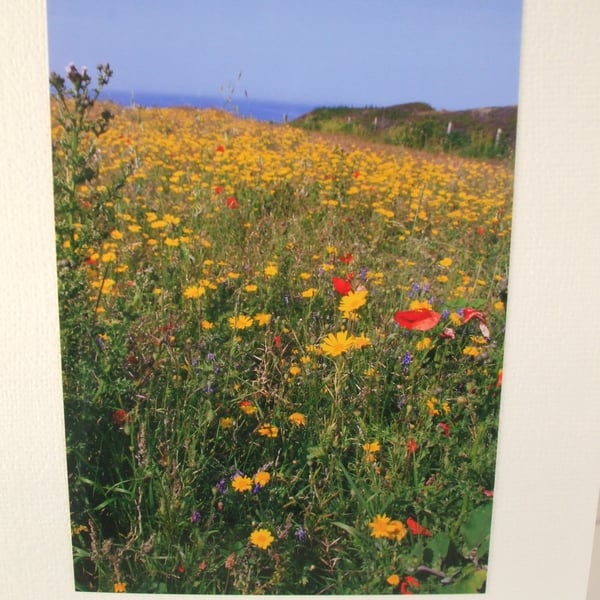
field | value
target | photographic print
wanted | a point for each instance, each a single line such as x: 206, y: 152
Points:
x: 282, y: 237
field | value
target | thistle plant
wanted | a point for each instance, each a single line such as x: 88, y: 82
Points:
x: 74, y: 151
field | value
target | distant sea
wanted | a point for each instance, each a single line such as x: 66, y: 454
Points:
x: 261, y: 110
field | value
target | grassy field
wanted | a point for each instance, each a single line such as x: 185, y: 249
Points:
x: 281, y: 354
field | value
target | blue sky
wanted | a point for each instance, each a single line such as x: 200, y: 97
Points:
x: 453, y: 54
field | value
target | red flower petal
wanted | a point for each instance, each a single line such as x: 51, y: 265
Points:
x: 422, y: 319
x: 342, y: 286
x: 231, y: 202
x: 120, y: 417
x: 471, y: 313
x: 345, y: 259
x: 417, y: 529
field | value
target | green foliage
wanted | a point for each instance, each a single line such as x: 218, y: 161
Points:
x: 418, y: 126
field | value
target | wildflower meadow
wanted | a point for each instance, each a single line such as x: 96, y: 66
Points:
x: 281, y: 353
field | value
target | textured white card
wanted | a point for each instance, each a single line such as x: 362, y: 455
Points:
x: 548, y: 472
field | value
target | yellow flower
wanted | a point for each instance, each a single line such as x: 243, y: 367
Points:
x: 206, y: 324
x: 471, y: 351
x: 455, y: 319
x: 304, y: 276
x: 337, y: 343
x: 262, y: 478
x: 360, y: 341
x: 171, y: 242
x: 393, y: 579
x: 134, y: 228
x: 445, y: 262
x: 433, y: 411
x: 379, y: 526
x: 271, y: 271
x: 372, y: 447
x: 240, y: 322
x: 297, y: 419
x: 424, y: 343
x: 268, y: 430
x: 108, y: 257
x: 241, y: 483
x: 194, y: 291
x: 120, y: 587
x: 226, y: 422
x: 115, y: 234
x: 417, y: 304
x: 499, y: 306
x: 247, y: 407
x: 295, y: 370
x: 353, y: 301
x: 396, y: 530
x: 107, y: 285
x: 262, y: 318
x: 262, y: 538
x: 309, y: 293
x: 250, y: 288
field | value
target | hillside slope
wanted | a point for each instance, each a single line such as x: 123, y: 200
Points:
x: 480, y: 132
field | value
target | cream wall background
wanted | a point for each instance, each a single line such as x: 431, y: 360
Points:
x: 548, y: 475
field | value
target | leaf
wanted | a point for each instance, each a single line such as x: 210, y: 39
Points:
x: 439, y: 545
x: 471, y: 584
x: 357, y: 494
x: 477, y: 526
x: 349, y: 529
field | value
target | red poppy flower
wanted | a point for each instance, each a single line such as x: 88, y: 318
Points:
x: 421, y: 319
x: 220, y: 149
x: 231, y: 202
x: 412, y: 446
x: 342, y: 286
x: 488, y: 493
x: 417, y: 529
x: 471, y: 313
x: 499, y: 379
x: 119, y: 417
x: 346, y: 259
x: 277, y: 341
x: 445, y: 428
x: 408, y: 581
x: 448, y: 334
x: 218, y: 189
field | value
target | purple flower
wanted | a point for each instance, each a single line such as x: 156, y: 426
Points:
x: 406, y: 360
x: 414, y: 290
x: 221, y: 486
x: 300, y: 534
x: 195, y: 517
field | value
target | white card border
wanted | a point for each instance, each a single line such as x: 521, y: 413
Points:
x: 549, y: 448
